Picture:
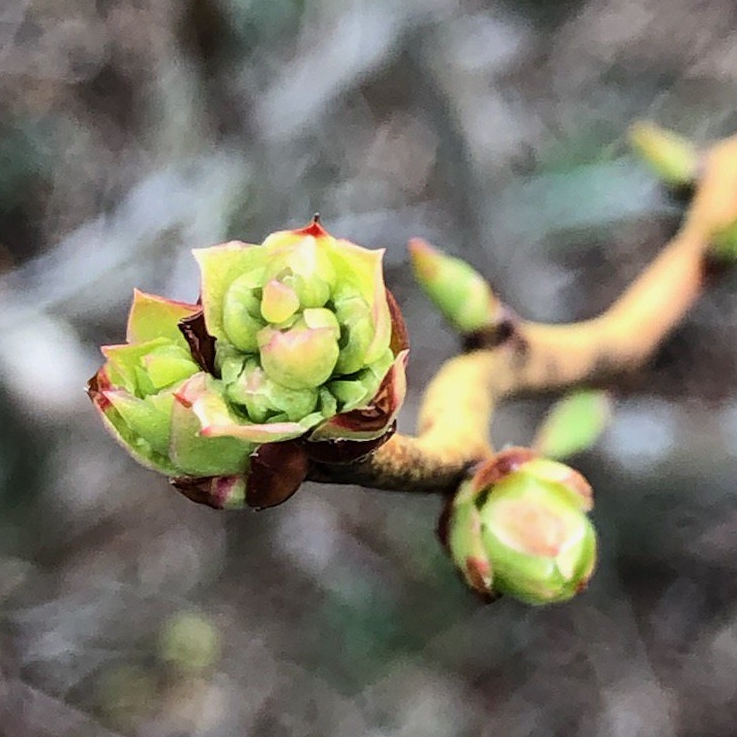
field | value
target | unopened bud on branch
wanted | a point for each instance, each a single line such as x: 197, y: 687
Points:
x: 519, y: 527
x: 461, y: 294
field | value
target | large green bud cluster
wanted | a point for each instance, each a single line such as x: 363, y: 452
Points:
x: 519, y: 527
x: 295, y: 350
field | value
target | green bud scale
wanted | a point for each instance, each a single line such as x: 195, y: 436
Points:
x: 294, y: 350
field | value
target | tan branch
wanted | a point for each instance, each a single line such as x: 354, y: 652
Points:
x: 455, y: 417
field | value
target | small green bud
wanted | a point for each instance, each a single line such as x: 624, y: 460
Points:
x: 242, y: 314
x: 262, y: 398
x: 357, y: 333
x: 313, y: 292
x: 304, y: 355
x: 519, y: 527
x: 300, y: 261
x: 279, y: 301
x: 461, y: 294
x: 349, y: 393
x: 672, y: 158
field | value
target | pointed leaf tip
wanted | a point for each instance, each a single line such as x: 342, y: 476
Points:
x: 153, y: 317
x: 313, y: 228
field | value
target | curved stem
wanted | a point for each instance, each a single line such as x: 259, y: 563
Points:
x: 455, y: 417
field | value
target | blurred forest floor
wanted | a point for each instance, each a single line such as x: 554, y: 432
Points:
x: 134, y: 130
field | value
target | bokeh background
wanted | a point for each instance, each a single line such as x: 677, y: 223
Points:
x: 134, y: 130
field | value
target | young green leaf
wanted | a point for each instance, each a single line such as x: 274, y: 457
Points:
x: 573, y: 424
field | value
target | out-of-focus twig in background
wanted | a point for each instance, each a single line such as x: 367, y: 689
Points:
x: 131, y: 132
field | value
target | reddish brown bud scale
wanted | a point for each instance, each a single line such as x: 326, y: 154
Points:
x: 344, y: 451
x: 502, y: 464
x: 478, y: 574
x: 96, y: 388
x: 276, y: 472
x: 400, y: 337
x: 213, y: 491
x: 201, y: 343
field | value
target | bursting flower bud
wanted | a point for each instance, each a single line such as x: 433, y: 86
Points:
x: 519, y: 527
x: 294, y: 351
